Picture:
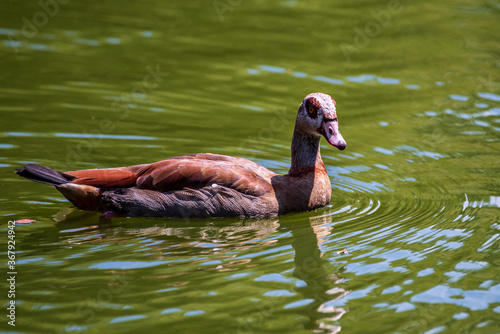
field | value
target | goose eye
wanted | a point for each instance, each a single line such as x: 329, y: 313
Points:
x: 312, y: 106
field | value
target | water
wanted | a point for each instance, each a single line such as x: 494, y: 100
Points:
x: 416, y: 199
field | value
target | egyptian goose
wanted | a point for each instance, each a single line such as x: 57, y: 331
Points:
x: 210, y: 185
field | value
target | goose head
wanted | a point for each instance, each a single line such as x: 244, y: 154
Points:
x: 317, y: 116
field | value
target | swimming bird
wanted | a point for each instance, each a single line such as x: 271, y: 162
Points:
x: 210, y: 185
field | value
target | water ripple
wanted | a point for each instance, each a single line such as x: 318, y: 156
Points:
x: 77, y: 135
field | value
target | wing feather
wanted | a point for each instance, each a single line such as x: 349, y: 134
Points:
x: 179, y: 173
x: 190, y: 171
x: 104, y: 178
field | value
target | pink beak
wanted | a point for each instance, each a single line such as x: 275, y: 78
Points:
x: 330, y: 129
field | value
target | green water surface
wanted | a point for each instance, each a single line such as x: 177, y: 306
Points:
x: 416, y: 194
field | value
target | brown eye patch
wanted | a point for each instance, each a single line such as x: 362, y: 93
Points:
x: 312, y: 106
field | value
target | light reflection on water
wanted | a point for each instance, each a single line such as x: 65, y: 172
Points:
x: 76, y: 135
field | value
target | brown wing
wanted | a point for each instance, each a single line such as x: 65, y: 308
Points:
x: 103, y: 178
x: 178, y: 173
x: 250, y: 165
x: 190, y: 171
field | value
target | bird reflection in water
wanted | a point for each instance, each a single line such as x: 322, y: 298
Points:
x: 183, y: 242
x: 320, y: 286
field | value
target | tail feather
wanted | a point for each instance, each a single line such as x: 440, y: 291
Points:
x: 44, y: 174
